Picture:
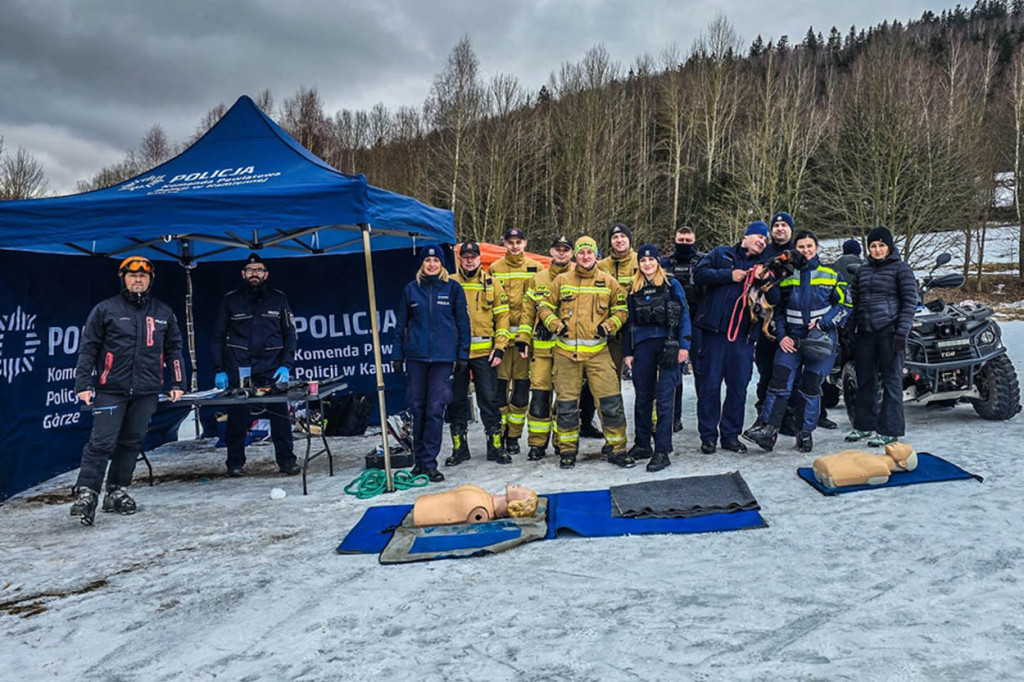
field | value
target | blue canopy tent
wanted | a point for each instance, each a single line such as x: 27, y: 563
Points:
x: 246, y: 184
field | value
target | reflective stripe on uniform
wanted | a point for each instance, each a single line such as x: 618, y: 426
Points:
x: 516, y: 418
x: 582, y: 345
x: 543, y: 345
x: 512, y: 275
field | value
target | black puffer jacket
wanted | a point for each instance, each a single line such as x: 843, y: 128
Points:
x: 126, y: 346
x: 884, y: 295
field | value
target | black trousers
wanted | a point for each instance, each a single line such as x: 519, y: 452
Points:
x: 240, y: 418
x: 119, y: 424
x: 876, y: 363
x: 485, y: 380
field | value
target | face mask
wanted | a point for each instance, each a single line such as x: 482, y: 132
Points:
x: 684, y: 251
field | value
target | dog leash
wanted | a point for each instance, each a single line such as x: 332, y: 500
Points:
x: 740, y: 306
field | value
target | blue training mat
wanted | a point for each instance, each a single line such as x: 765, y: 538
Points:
x: 587, y: 513
x: 930, y: 469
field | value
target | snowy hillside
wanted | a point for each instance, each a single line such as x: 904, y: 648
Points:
x: 213, y: 579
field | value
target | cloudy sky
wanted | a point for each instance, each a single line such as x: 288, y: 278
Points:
x: 82, y: 80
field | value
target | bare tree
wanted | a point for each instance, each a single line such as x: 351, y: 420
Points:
x: 304, y: 119
x: 21, y: 175
x: 452, y: 109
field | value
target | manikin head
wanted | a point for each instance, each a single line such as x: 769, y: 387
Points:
x: 518, y: 500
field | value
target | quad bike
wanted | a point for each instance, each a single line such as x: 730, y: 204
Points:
x: 955, y: 354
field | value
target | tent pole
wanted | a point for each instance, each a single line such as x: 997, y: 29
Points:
x: 190, y: 329
x: 378, y: 366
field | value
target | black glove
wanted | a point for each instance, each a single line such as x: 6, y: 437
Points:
x: 669, y: 356
x: 398, y: 366
x: 899, y: 343
x: 500, y: 352
x: 601, y: 332
x: 521, y: 346
x: 461, y: 365
x: 563, y: 331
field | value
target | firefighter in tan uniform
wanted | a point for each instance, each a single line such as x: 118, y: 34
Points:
x: 514, y: 271
x: 584, y: 308
x: 489, y: 335
x: 622, y: 265
x: 541, y: 360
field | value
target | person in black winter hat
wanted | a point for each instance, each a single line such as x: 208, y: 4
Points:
x: 851, y: 247
x: 885, y: 298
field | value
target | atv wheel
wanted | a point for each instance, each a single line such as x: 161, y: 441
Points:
x: 1000, y: 391
x: 849, y: 390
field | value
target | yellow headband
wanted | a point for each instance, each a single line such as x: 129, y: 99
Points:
x: 584, y: 243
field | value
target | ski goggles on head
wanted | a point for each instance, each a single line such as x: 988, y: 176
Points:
x: 136, y: 264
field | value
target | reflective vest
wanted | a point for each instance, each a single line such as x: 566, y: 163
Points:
x: 583, y: 301
x: 488, y: 312
x: 812, y: 293
x: 515, y: 273
x: 622, y: 268
x: 531, y: 327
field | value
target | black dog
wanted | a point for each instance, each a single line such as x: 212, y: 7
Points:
x: 772, y: 272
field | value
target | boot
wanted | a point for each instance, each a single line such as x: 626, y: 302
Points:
x: 880, y: 440
x: 495, y: 453
x: 511, y: 445
x: 708, y: 447
x: 622, y: 459
x: 677, y: 425
x: 460, y: 449
x: 658, y: 462
x: 118, y: 500
x: 434, y: 475
x: 857, y: 435
x: 804, y: 442
x: 826, y: 423
x: 84, y: 506
x: 763, y: 436
x: 536, y: 453
x: 567, y: 460
x: 640, y: 452
x: 734, y: 445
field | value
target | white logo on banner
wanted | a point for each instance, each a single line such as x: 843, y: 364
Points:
x: 18, y: 344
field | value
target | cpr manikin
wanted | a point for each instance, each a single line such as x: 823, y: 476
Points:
x: 472, y: 504
x: 856, y: 467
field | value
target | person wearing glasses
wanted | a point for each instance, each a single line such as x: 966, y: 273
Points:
x: 127, y: 341
x: 255, y: 328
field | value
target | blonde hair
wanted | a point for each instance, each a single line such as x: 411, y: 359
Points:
x: 520, y: 508
x: 420, y: 275
x: 640, y: 279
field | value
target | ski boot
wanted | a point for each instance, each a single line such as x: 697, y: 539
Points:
x: 84, y: 506
x: 763, y: 436
x: 118, y: 500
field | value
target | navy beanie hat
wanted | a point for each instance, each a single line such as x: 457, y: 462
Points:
x: 784, y: 217
x: 431, y: 252
x: 619, y: 228
x: 758, y: 227
x: 882, y: 234
x: 648, y: 251
x: 851, y: 247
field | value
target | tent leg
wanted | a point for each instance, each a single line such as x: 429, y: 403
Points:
x: 378, y: 365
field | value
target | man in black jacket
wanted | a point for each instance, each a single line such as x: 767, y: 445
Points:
x: 681, y: 265
x: 126, y: 342
x: 255, y: 329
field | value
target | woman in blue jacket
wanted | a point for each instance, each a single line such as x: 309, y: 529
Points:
x: 656, y: 343
x: 433, y: 342
x: 810, y: 305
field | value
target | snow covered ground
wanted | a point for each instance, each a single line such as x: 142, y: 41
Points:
x: 213, y: 579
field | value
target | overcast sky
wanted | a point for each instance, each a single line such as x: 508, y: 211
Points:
x: 82, y: 80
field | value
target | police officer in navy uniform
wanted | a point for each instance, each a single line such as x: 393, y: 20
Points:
x: 126, y: 343
x: 256, y: 329
x: 681, y: 265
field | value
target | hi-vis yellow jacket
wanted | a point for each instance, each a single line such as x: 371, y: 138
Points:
x: 515, y: 273
x: 584, y: 300
x: 536, y: 292
x: 488, y: 312
x: 622, y: 268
